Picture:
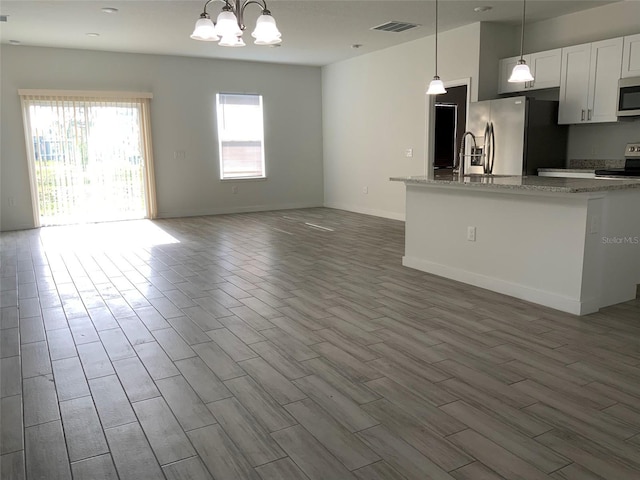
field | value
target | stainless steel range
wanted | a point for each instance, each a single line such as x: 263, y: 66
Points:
x: 631, y: 164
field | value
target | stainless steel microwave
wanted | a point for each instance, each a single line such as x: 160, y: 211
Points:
x: 629, y: 97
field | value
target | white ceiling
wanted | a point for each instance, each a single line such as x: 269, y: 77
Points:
x: 314, y: 32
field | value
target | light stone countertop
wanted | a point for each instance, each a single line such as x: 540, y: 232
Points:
x: 523, y: 183
x: 568, y: 170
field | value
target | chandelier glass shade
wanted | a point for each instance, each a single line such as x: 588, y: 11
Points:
x: 229, y: 25
x: 205, y: 30
x: 266, y: 32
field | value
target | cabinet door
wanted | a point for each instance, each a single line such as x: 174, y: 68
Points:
x: 631, y: 56
x: 574, y: 84
x: 606, y: 63
x: 545, y: 68
x: 506, y: 66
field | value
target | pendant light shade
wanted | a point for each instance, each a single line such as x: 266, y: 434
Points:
x: 521, y: 72
x: 436, y: 87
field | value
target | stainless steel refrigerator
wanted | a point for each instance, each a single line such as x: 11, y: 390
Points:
x: 515, y: 136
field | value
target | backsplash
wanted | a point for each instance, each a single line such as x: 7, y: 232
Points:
x: 595, y: 164
x: 601, y: 141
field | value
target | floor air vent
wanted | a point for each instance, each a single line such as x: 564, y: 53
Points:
x: 395, y: 26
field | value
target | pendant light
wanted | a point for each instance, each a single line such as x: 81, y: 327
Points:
x: 521, y: 72
x: 436, y: 87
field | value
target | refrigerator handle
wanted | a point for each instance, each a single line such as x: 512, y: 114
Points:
x: 493, y: 144
x: 486, y: 147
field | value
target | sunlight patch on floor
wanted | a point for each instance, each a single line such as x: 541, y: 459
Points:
x: 105, y: 236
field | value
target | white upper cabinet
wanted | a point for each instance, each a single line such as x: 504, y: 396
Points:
x: 545, y: 68
x: 574, y: 84
x: 631, y: 56
x: 604, y: 73
x: 589, y: 82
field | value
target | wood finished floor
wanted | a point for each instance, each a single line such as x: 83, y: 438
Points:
x: 266, y: 346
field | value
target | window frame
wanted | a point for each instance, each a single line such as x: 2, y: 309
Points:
x: 220, y: 123
x: 139, y: 100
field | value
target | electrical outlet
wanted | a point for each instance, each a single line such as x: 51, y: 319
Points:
x: 234, y: 189
x: 594, y: 224
x: 471, y: 234
x: 365, y: 190
x: 12, y: 202
x: 408, y: 152
x: 179, y: 155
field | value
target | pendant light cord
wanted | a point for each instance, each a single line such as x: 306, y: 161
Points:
x: 524, y: 8
x: 436, y: 38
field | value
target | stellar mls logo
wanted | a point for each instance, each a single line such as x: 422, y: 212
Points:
x: 621, y: 240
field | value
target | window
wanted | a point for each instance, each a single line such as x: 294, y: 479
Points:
x: 240, y: 136
x: 89, y: 156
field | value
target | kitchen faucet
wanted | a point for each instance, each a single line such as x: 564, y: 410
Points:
x: 459, y: 169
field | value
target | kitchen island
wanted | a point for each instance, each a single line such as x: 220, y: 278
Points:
x: 572, y: 244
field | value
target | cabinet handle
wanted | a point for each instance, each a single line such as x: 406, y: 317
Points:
x: 589, y: 114
x: 582, y: 117
x: 531, y: 83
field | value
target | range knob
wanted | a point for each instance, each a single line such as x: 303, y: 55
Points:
x: 632, y: 149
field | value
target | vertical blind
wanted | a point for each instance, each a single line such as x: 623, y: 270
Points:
x: 240, y: 135
x: 90, y: 157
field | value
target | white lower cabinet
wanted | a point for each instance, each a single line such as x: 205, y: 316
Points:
x: 589, y: 82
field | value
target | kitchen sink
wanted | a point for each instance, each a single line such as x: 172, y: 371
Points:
x: 486, y: 175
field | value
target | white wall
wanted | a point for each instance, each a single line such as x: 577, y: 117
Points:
x: 597, y: 141
x: 374, y: 107
x: 575, y: 252
x: 600, y: 23
x: 603, y: 141
x: 496, y: 41
x: 529, y: 246
x: 182, y: 117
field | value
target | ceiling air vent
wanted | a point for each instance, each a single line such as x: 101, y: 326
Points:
x: 4, y: 18
x: 395, y: 26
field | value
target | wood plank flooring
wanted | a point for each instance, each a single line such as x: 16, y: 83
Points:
x: 258, y: 346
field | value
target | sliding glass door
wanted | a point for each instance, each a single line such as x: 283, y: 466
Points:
x: 89, y: 158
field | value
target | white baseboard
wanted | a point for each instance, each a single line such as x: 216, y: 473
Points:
x: 228, y: 210
x: 366, y: 211
x: 523, y: 292
x: 21, y: 226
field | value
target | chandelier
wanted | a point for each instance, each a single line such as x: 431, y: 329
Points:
x: 230, y: 24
